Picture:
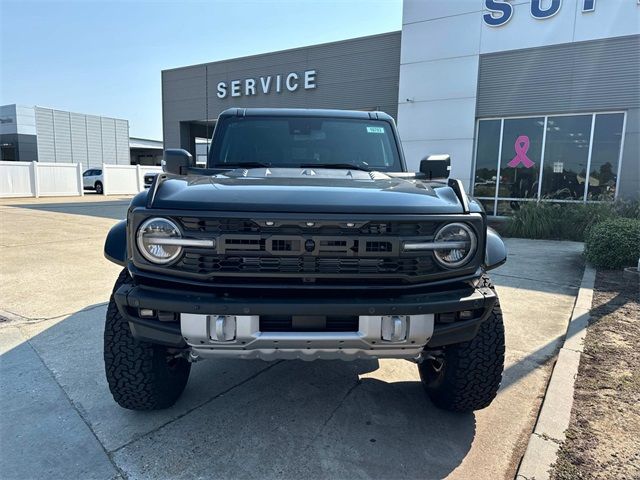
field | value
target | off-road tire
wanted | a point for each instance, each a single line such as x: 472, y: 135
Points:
x: 99, y: 189
x: 141, y: 375
x: 471, y: 372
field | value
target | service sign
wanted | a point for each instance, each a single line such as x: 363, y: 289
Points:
x: 268, y: 84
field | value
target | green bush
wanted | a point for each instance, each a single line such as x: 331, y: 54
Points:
x: 614, y: 243
x: 564, y: 221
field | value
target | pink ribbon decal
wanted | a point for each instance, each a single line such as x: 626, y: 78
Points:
x: 521, y: 147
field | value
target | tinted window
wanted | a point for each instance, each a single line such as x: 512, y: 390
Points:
x: 566, y: 155
x: 291, y: 142
x: 520, y: 161
x: 97, y: 172
x: 487, y: 158
x: 605, y: 155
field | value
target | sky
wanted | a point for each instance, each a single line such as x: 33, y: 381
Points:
x: 105, y: 58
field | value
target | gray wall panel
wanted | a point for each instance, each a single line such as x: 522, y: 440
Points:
x: 584, y: 76
x: 46, y: 139
x: 361, y: 74
x: 123, y: 156
x: 86, y: 139
x: 108, y: 140
x: 62, y: 134
x: 79, y: 139
x: 94, y: 141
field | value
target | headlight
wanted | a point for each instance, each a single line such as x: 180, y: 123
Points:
x: 159, y: 240
x: 459, y: 244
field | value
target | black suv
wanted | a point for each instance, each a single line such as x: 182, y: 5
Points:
x: 305, y: 237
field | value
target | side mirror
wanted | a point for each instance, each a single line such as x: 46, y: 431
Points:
x: 177, y: 161
x: 436, y: 166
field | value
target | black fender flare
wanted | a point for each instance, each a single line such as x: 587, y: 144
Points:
x: 496, y: 253
x: 115, y: 246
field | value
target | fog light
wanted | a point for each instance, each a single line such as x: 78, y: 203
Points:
x: 146, y: 313
x: 394, y: 328
x: 466, y: 314
x: 223, y: 327
x: 166, y: 316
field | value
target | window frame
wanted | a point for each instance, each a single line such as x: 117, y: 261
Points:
x: 593, y: 114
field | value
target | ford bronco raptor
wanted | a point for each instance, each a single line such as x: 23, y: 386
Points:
x: 304, y: 237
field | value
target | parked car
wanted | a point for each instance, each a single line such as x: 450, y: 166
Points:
x: 92, y: 179
x: 305, y: 237
x: 149, y: 178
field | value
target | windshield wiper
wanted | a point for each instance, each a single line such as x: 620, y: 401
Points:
x: 243, y: 165
x: 341, y: 166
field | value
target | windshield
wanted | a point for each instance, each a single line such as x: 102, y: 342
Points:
x: 305, y: 142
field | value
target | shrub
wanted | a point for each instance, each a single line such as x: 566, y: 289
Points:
x: 614, y: 243
x: 564, y: 221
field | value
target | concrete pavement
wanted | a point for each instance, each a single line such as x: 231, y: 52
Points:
x: 244, y: 419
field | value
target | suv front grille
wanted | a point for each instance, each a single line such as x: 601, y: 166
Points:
x: 330, y: 251
x: 234, y: 225
x: 306, y: 265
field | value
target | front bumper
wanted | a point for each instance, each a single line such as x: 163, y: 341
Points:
x: 196, y: 311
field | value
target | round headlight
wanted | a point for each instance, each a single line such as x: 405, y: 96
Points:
x: 463, y: 245
x: 155, y: 240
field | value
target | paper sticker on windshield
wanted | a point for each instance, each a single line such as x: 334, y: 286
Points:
x: 375, y: 130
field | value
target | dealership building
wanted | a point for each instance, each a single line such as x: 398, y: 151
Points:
x: 39, y: 134
x: 533, y: 99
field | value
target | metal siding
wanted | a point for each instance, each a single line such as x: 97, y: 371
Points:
x: 574, y: 77
x: 122, y: 142
x: 361, y: 74
x: 94, y: 141
x: 62, y: 133
x: 108, y: 140
x: 45, y: 133
x: 79, y: 139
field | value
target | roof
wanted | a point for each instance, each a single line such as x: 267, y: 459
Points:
x: 303, y: 112
x: 145, y: 143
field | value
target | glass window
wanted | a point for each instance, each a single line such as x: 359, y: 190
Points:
x: 487, y: 159
x: 487, y: 205
x: 605, y: 154
x: 520, y: 160
x: 506, y: 208
x: 566, y: 155
x: 566, y: 144
x: 308, y: 141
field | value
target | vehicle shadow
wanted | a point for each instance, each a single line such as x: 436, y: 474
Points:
x: 113, y: 209
x: 249, y: 419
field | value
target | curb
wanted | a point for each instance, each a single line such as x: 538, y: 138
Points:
x: 555, y: 413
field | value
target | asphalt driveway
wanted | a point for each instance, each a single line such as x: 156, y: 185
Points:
x: 244, y: 419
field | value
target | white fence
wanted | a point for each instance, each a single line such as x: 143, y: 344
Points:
x: 125, y: 179
x: 40, y: 179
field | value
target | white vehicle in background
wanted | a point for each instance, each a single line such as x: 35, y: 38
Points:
x: 92, y: 179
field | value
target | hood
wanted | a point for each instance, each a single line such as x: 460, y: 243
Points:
x: 306, y: 190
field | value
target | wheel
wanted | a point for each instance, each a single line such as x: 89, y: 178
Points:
x: 141, y: 375
x: 99, y: 188
x: 466, y: 376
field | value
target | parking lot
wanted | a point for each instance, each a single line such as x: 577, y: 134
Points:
x: 244, y: 419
